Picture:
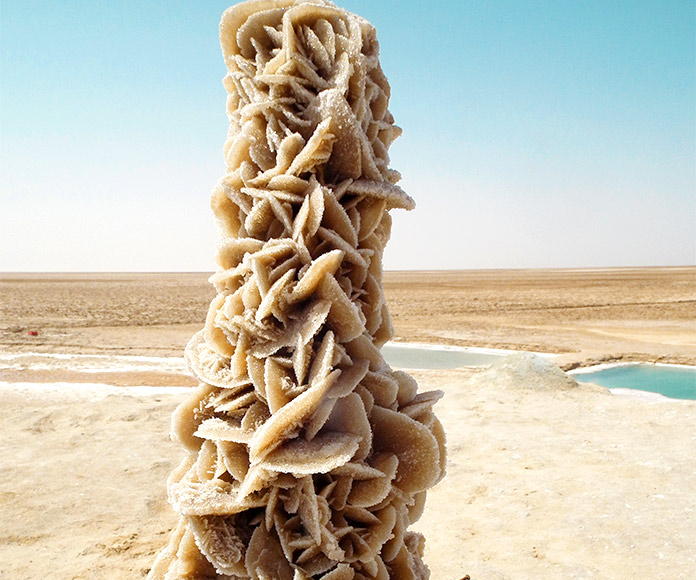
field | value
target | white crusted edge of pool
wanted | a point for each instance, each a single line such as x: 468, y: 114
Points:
x: 93, y: 391
x: 92, y: 363
x: 603, y: 366
x: 472, y: 349
x: 647, y: 396
x: 101, y: 390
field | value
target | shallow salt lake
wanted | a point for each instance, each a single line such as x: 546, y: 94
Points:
x: 431, y: 357
x: 670, y: 381
x: 675, y: 382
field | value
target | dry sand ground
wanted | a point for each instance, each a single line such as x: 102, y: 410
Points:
x: 540, y: 484
x: 586, y: 315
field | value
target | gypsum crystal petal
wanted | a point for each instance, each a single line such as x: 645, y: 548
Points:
x: 234, y: 458
x: 188, y: 561
x: 382, y: 387
x: 360, y: 516
x: 226, y: 213
x: 386, y: 330
x: 256, y: 479
x: 408, y: 565
x: 282, y: 267
x: 237, y: 363
x: 289, y: 148
x: 337, y: 220
x: 438, y: 432
x: 272, y: 297
x: 392, y: 194
x: 381, y: 573
x: 301, y: 359
x: 185, y: 421
x: 359, y: 470
x: 367, y: 399
x: 324, y: 265
x: 167, y: 555
x: 277, y: 382
x: 304, y: 327
x: 255, y: 416
x: 217, y: 540
x: 323, y: 359
x: 206, y: 364
x: 391, y: 548
x: 351, y: 253
x: 270, y: 193
x: 408, y: 387
x: 289, y: 417
x: 349, y: 379
x: 352, y: 154
x: 214, y: 335
x: 415, y: 511
x: 318, y: 419
x: 264, y: 557
x: 219, y: 430
x: 370, y: 492
x: 345, y: 318
x: 349, y: 416
x: 325, y: 452
x: 289, y: 533
x: 254, y: 27
x: 316, y: 151
x: 235, y: 402
x: 259, y: 219
x: 308, y: 510
x: 412, y: 443
x: 209, y: 498
x: 341, y: 572
x: 289, y: 183
x: 421, y: 403
x: 318, y: 53
x: 369, y: 543
x: 370, y: 210
x: 232, y: 251
x: 362, y: 347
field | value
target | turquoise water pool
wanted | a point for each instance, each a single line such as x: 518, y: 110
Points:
x: 671, y: 381
x: 418, y: 357
x: 674, y: 382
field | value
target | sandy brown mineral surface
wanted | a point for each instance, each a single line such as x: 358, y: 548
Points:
x: 541, y: 483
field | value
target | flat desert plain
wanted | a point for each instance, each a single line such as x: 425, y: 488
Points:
x: 583, y: 315
x: 544, y: 480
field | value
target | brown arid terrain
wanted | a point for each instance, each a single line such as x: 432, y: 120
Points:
x: 545, y: 479
x: 585, y: 315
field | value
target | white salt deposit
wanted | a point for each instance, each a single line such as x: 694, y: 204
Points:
x: 526, y: 372
x: 90, y: 391
x: 455, y: 348
x: 90, y: 363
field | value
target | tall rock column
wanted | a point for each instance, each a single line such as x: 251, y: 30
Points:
x: 307, y: 455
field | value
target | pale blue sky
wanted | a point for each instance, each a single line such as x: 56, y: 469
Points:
x: 536, y: 133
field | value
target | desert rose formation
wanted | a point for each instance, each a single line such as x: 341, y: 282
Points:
x: 308, y: 456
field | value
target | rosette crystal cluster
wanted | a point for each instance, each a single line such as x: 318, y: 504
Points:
x: 308, y: 456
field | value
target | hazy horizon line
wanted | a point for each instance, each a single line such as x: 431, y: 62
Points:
x: 493, y: 268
